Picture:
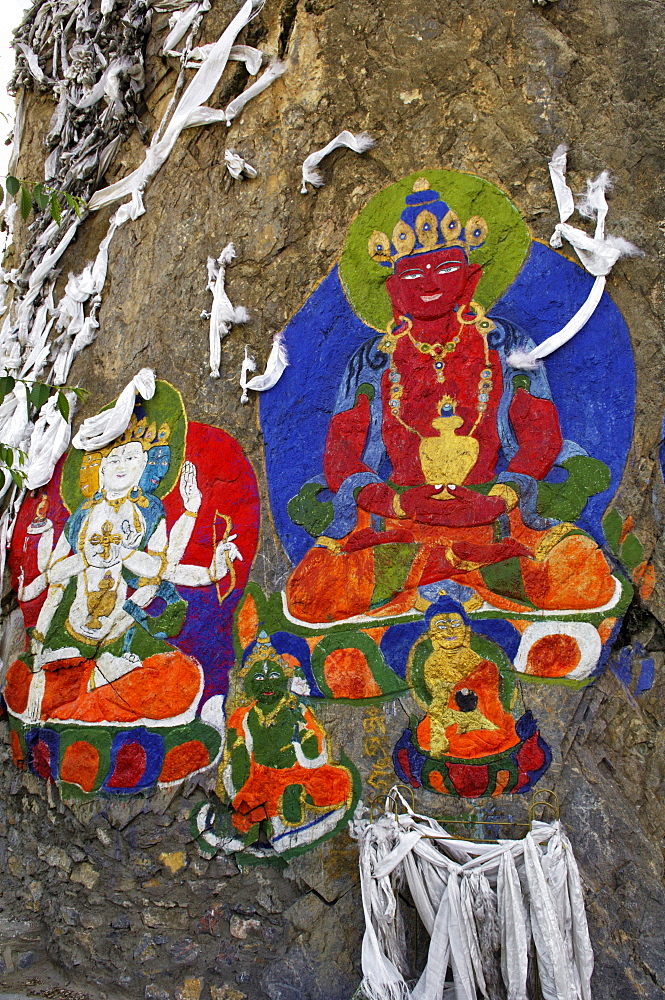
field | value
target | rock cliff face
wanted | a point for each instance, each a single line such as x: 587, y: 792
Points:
x: 113, y: 894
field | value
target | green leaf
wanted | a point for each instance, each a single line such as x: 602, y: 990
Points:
x: 7, y: 384
x: 40, y: 196
x: 26, y: 201
x: 80, y: 393
x: 9, y: 457
x: 12, y: 185
x: 55, y: 207
x: 76, y: 203
x: 18, y: 477
x: 39, y: 394
x: 63, y: 405
x: 21, y: 455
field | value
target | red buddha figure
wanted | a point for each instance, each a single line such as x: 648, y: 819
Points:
x: 436, y: 448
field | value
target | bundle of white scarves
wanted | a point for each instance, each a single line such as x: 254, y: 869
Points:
x: 486, y: 907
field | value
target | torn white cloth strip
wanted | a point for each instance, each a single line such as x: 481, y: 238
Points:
x: 80, y: 330
x: 15, y: 424
x: 274, y: 70
x: 529, y: 360
x: 598, y: 253
x: 107, y: 85
x: 36, y: 360
x: 580, y: 932
x: 106, y: 426
x: 33, y: 62
x: 50, y: 259
x: 514, y: 944
x: 278, y: 360
x: 182, y: 23
x: 251, y: 57
x: 358, y: 143
x: 382, y: 980
x: 223, y: 313
x: 554, y: 972
x: 17, y: 134
x: 196, y: 94
x: 48, y: 442
x: 237, y: 166
x: 564, y: 196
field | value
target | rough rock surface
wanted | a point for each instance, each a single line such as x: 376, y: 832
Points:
x: 118, y: 898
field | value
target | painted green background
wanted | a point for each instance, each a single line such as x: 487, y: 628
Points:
x: 501, y: 257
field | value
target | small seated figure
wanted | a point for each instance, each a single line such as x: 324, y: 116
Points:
x: 436, y: 450
x: 466, y: 697
x: 96, y: 654
x: 277, y: 767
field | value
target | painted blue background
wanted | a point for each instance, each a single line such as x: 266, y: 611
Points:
x: 592, y: 379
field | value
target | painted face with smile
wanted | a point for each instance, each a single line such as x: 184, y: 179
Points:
x: 266, y: 682
x: 122, y: 468
x: 448, y: 631
x: 428, y: 286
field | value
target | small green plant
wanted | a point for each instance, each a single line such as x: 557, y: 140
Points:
x: 36, y: 395
x: 44, y: 197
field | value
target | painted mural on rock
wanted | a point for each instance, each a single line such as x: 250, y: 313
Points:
x: 282, y: 786
x: 418, y: 476
x: 128, y: 567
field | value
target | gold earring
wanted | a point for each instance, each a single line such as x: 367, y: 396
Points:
x: 482, y: 324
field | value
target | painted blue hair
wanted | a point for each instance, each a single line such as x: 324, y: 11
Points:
x: 446, y: 606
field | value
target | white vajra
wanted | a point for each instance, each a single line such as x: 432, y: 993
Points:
x: 598, y: 253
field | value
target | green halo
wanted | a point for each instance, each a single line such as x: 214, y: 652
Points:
x: 165, y: 407
x: 501, y: 257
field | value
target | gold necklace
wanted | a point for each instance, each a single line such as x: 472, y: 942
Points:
x: 389, y: 343
x: 139, y: 499
x: 268, y: 718
x: 437, y: 352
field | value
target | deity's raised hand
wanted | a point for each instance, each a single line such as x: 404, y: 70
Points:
x: 218, y: 567
x: 189, y: 490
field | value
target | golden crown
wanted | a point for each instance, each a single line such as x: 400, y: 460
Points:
x: 144, y: 433
x: 264, y: 650
x: 422, y: 229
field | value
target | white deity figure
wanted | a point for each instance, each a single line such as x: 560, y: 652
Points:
x: 96, y: 655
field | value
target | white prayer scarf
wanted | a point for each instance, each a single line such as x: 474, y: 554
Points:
x: 49, y: 441
x: 189, y: 112
x: 237, y: 167
x: 598, y: 253
x: 358, y: 143
x: 273, y: 72
x: 277, y: 361
x: 104, y: 427
x: 534, y: 884
x: 223, y: 313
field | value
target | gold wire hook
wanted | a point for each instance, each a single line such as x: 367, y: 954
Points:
x: 545, y: 803
x: 395, y: 801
